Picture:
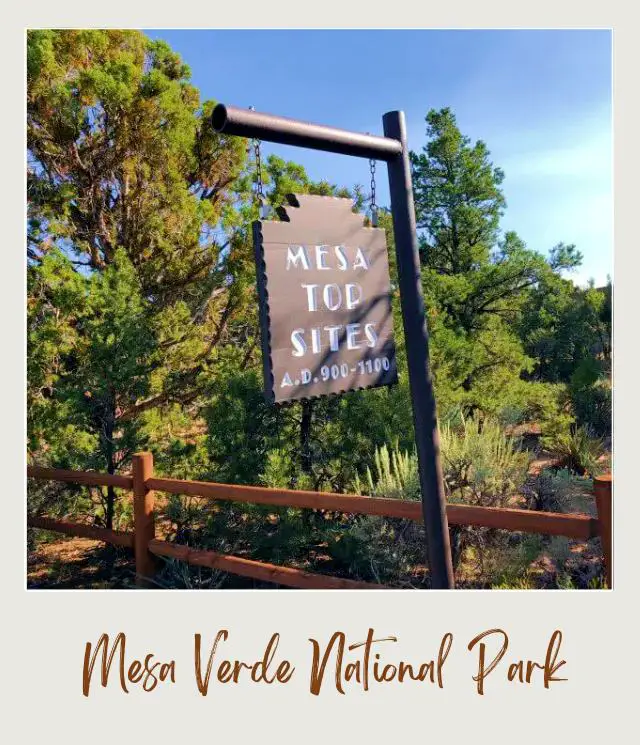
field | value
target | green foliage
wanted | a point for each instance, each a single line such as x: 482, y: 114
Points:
x: 176, y: 574
x: 246, y: 434
x: 279, y: 469
x: 592, y: 404
x: 560, y: 490
x: 457, y: 195
x: 475, y: 281
x: 131, y: 245
x: 567, y: 330
x: 578, y: 450
x: 395, y: 475
x: 374, y: 549
x: 513, y: 564
x: 242, y: 429
x: 91, y: 342
x: 539, y: 563
x: 501, y: 316
x: 566, y: 582
x: 481, y: 464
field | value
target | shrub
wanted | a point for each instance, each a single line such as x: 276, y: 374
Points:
x: 176, y: 574
x: 484, y: 466
x: 186, y: 515
x: 578, y: 450
x: 559, y: 491
x: 592, y: 406
x: 375, y: 549
x: 279, y: 469
x: 481, y: 464
x: 395, y: 475
x: 512, y: 562
x: 533, y: 401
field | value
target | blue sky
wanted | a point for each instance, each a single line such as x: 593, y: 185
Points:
x: 541, y: 100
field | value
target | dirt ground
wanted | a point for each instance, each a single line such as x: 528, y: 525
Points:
x: 79, y: 563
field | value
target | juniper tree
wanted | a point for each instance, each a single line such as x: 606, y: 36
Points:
x: 132, y: 201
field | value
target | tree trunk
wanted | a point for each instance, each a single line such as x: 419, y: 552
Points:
x: 111, y: 503
x: 109, y: 451
x: 110, y: 549
x: 305, y: 436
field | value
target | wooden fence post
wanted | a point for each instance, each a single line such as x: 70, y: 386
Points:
x: 143, y: 518
x: 604, y: 503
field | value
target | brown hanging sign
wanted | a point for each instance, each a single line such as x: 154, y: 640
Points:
x: 325, y: 301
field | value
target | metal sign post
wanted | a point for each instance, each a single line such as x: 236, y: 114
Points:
x: 417, y: 345
x: 393, y: 150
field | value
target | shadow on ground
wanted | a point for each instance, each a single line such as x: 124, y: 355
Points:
x: 79, y: 563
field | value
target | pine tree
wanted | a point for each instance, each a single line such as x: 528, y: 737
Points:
x: 474, y: 277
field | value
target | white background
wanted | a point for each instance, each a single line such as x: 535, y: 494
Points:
x: 44, y: 633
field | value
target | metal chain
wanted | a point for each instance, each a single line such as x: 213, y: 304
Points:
x: 374, y: 206
x: 259, y: 191
x: 260, y: 198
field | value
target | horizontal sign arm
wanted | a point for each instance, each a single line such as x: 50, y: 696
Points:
x: 253, y: 124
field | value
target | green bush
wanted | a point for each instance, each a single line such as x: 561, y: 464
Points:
x: 559, y: 491
x: 481, y: 464
x: 375, y: 549
x: 578, y: 450
x: 395, y: 475
x: 593, y: 407
x: 533, y: 401
x: 512, y: 562
x: 176, y: 574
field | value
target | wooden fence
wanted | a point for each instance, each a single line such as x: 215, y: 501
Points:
x: 147, y: 547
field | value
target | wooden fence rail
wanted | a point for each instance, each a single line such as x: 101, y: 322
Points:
x: 117, y: 537
x: 147, y: 547
x: 256, y: 569
x: 527, y: 521
x: 89, y: 478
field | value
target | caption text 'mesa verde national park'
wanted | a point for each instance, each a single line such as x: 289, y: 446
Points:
x: 336, y: 663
